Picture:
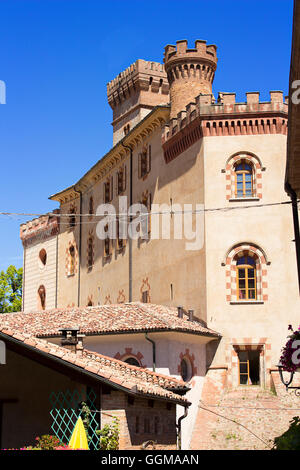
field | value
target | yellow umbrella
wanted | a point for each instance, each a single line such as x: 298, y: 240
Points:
x: 78, y: 439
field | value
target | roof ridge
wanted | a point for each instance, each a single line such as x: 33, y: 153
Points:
x: 153, y: 313
x: 105, y: 319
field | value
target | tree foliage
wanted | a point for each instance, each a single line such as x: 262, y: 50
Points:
x: 109, y: 435
x: 289, y: 440
x: 11, y: 289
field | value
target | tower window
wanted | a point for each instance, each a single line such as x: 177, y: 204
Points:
x: 246, y: 278
x: 243, y: 180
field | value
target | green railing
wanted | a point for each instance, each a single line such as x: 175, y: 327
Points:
x: 66, y: 409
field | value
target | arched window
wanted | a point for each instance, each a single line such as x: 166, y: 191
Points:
x: 246, y: 273
x: 43, y: 257
x: 41, y: 298
x: 90, y: 253
x: 132, y: 361
x: 246, y: 278
x: 71, y: 260
x: 243, y: 176
x: 243, y: 179
x: 186, y: 370
x: 91, y: 206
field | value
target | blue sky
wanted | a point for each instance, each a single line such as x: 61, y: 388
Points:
x: 58, y: 55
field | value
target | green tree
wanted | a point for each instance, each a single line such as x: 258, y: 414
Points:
x: 289, y: 440
x: 11, y: 290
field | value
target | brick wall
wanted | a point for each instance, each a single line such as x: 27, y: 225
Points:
x: 141, y: 420
x: 214, y: 386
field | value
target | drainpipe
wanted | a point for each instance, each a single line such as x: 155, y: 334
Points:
x: 56, y: 270
x: 293, y: 197
x: 153, y: 350
x: 130, y: 219
x: 23, y: 277
x: 179, y: 427
x: 79, y: 243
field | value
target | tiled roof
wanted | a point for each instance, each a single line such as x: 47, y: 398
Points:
x: 117, y: 373
x: 105, y: 319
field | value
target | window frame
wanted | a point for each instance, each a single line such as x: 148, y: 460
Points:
x: 72, y: 261
x: 244, y: 174
x: 246, y: 289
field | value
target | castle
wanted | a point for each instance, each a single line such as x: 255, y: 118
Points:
x: 176, y: 144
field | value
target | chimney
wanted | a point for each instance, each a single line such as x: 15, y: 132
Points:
x: 191, y: 315
x: 180, y: 311
x: 71, y: 339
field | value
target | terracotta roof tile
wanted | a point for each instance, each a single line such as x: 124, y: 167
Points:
x: 112, y: 370
x: 104, y: 319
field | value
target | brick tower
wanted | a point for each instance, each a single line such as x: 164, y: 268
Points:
x: 190, y: 72
x: 134, y: 93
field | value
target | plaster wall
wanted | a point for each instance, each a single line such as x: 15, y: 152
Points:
x: 37, y: 274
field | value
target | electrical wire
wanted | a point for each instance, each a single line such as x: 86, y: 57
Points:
x: 144, y: 214
x: 251, y: 408
x: 239, y: 424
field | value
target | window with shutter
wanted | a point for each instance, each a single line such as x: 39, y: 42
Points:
x: 72, y: 218
x: 144, y: 162
x: 107, y: 244
x: 91, y: 206
x: 111, y: 189
x: 106, y: 192
x: 90, y: 253
x: 71, y: 260
x: 147, y: 202
x: 121, y: 180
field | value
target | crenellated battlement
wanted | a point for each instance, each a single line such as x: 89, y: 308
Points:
x: 142, y: 66
x: 134, y: 93
x: 189, y: 71
x: 201, y: 51
x: 141, y: 75
x: 206, y: 117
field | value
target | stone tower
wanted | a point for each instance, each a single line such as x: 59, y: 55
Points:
x: 190, y: 72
